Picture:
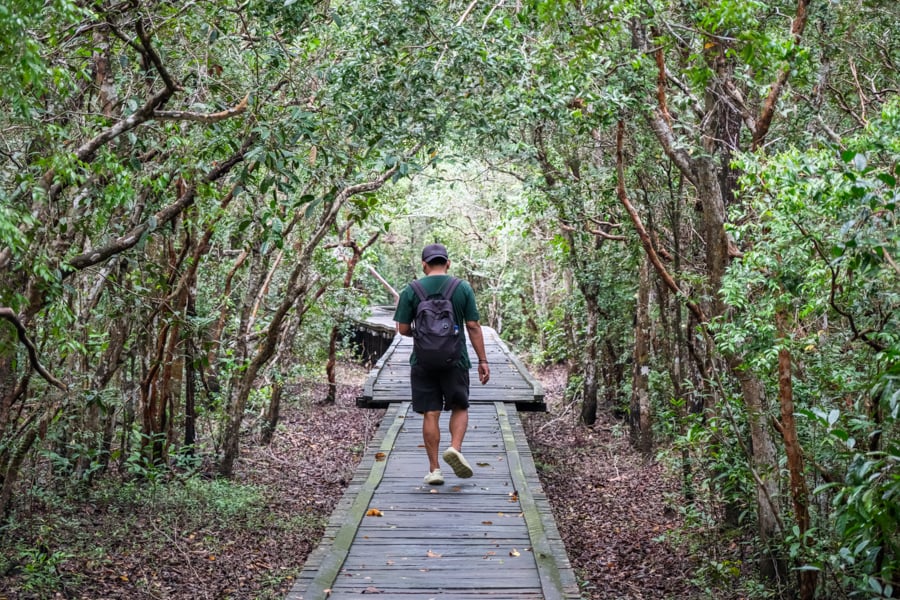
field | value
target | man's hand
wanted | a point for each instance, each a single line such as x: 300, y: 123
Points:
x: 484, y: 372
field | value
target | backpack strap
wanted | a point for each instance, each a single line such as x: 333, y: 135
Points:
x: 447, y: 292
x: 451, y: 287
x: 418, y: 289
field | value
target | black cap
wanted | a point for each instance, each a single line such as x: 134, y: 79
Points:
x: 433, y: 251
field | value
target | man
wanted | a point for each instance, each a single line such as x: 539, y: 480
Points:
x: 444, y: 389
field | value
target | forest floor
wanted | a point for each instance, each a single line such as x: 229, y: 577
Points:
x: 613, y: 508
x: 192, y: 538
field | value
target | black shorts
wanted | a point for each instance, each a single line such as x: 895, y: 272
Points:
x: 439, y: 390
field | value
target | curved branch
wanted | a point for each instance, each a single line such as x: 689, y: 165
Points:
x: 597, y: 232
x: 642, y: 232
x: 8, y: 315
x: 183, y: 115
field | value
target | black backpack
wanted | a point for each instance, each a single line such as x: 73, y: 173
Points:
x: 436, y: 338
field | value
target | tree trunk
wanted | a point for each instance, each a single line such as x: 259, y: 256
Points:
x: 765, y: 464
x: 190, y: 381
x: 330, y: 364
x: 788, y: 428
x: 270, y: 423
x: 591, y: 384
x: 639, y: 417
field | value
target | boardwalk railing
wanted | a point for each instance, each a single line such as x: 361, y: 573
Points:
x: 491, y: 536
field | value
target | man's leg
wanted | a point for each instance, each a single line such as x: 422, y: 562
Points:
x: 431, y: 435
x: 456, y: 390
x: 459, y: 423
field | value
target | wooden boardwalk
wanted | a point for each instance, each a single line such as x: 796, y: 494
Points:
x: 491, y: 536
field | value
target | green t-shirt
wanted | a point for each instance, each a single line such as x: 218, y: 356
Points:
x: 464, y: 308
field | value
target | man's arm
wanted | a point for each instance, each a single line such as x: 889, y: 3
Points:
x: 404, y: 329
x: 477, y: 339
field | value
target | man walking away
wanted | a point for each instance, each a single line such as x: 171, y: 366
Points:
x: 440, y: 387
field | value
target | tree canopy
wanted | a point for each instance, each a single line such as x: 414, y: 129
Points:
x: 692, y: 204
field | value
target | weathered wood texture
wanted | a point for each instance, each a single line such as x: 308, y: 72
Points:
x: 489, y: 537
x: 373, y: 333
x: 388, y: 380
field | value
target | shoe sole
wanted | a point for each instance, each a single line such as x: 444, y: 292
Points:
x: 455, y: 460
x: 441, y: 482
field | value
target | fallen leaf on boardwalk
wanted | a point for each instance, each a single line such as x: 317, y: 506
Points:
x: 514, y: 552
x: 390, y: 562
x: 514, y: 496
x: 380, y: 456
x: 483, y: 464
x: 431, y: 554
x: 489, y: 553
x: 371, y: 590
x: 487, y: 522
x: 456, y: 488
x: 327, y: 592
x: 433, y: 491
x: 374, y: 512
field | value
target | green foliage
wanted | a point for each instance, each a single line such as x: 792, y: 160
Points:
x: 25, y: 74
x: 822, y: 251
x: 514, y: 107
x: 40, y: 570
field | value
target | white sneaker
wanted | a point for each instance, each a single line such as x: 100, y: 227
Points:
x: 434, y: 478
x: 455, y: 459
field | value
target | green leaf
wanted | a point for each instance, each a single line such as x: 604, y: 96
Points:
x: 888, y: 179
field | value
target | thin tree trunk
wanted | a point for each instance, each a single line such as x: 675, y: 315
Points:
x: 270, y: 423
x: 190, y: 379
x: 788, y: 429
x: 330, y: 365
x: 640, y: 418
x: 352, y: 262
x: 765, y: 465
x: 591, y: 384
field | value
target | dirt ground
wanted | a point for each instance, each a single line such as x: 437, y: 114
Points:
x: 184, y: 539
